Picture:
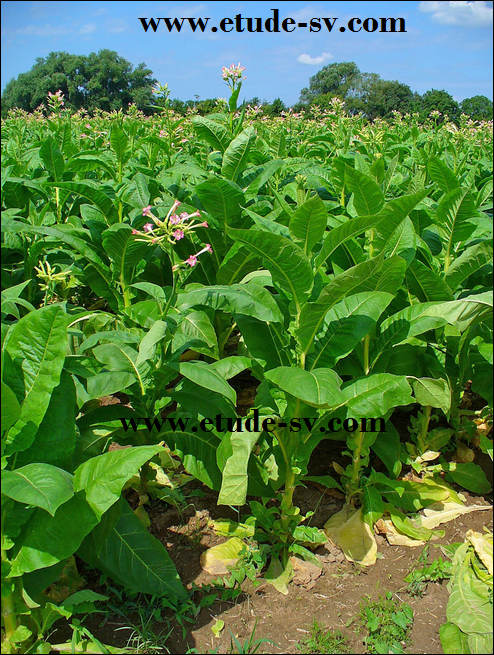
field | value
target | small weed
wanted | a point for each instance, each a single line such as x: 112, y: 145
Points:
x: 250, y: 646
x: 388, y: 622
x: 323, y: 640
x: 418, y: 578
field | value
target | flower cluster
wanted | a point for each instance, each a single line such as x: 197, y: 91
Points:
x: 55, y: 100
x: 171, y: 229
x: 233, y: 75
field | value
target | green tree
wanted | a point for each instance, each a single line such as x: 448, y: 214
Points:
x: 333, y: 79
x: 103, y: 80
x: 274, y: 108
x: 379, y: 98
x: 442, y: 101
x: 479, y: 108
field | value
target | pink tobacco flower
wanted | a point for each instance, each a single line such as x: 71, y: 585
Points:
x: 205, y: 224
x: 148, y: 227
x: 135, y: 232
x: 192, y: 260
x: 146, y: 211
x: 208, y: 248
x: 174, y: 219
x: 178, y: 234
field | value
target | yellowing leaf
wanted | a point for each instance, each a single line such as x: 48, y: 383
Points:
x: 218, y: 627
x: 394, y: 537
x: 278, y: 576
x: 447, y: 511
x: 347, y: 530
x: 483, y: 546
x: 217, y: 559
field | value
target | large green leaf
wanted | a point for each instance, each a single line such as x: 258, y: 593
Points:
x: 468, y: 263
x: 135, y: 559
x: 318, y: 388
x: 372, y: 505
x: 426, y: 284
x: 345, y: 325
x: 103, y: 477
x: 10, y: 407
x: 376, y: 394
x: 212, y: 132
x: 286, y: 262
x: 222, y: 199
x: 91, y: 191
x: 234, y: 475
x: 433, y: 393
x: 368, y: 198
x: 237, y: 263
x: 46, y: 540
x: 119, y: 143
x: 452, y: 217
x: 267, y: 343
x: 373, y: 275
x: 470, y: 476
x: 40, y: 485
x: 55, y: 439
x: 308, y: 223
x: 442, y: 175
x: 123, y: 248
x: 195, y: 330
x: 197, y: 450
x: 52, y: 158
x: 35, y: 354
x: 206, y: 376
x: 251, y: 300
x: 236, y: 155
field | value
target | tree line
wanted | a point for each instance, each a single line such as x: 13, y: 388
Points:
x: 107, y: 81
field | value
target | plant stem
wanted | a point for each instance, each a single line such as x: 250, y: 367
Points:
x: 366, y: 353
x: 356, y: 462
x: 422, y: 436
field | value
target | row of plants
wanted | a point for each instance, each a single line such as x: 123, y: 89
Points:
x: 345, y: 266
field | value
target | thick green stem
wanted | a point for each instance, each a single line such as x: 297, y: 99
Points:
x: 356, y: 462
x: 366, y: 354
x: 422, y: 436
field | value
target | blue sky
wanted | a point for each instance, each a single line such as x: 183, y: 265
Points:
x: 448, y: 45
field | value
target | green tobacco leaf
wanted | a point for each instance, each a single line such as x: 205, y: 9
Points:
x: 123, y: 249
x: 251, y: 300
x: 308, y: 223
x: 410, y: 495
x: 341, y: 234
x: 372, y: 505
x: 47, y: 539
x: 56, y: 436
x: 435, y: 393
x: 212, y: 132
x: 442, y: 175
x: 237, y: 154
x: 368, y: 198
x: 196, y: 330
x: 318, y: 388
x: 135, y: 559
x: 266, y: 342
x: 35, y: 354
x: 40, y: 485
x: 237, y: 263
x: 197, y: 450
x: 406, y: 526
x: 222, y: 199
x: 149, y: 343
x: 469, y: 262
x: 108, y: 383
x: 267, y: 172
x: 392, y: 229
x: 103, y: 477
x: 10, y: 407
x: 206, y: 376
x: 345, y: 325
x: 373, y: 275
x: 470, y: 476
x: 52, y: 158
x: 119, y: 143
x: 453, y: 640
x: 452, y: 216
x: 374, y: 395
x: 279, y: 576
x: 286, y: 262
x: 387, y: 447
x: 426, y: 284
x: 468, y: 609
x: 91, y: 191
x: 235, y: 477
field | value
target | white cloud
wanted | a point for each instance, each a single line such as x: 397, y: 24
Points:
x: 465, y: 14
x: 315, y: 61
x: 43, y: 30
x: 88, y: 28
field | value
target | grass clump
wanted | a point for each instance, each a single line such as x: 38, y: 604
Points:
x: 388, y: 622
x: 323, y: 640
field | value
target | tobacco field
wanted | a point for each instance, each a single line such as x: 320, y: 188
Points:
x: 326, y: 277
